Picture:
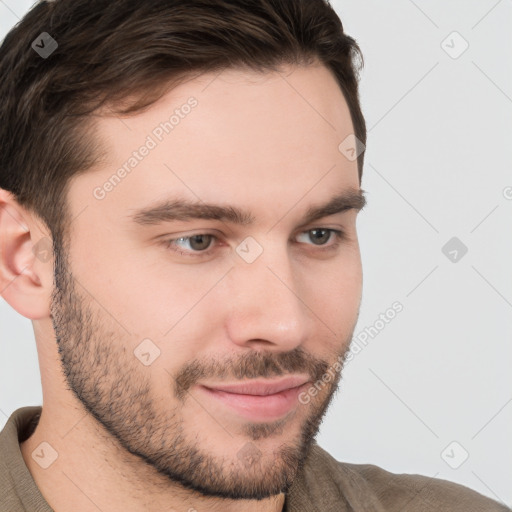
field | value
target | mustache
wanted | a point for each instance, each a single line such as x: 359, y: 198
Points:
x: 250, y: 365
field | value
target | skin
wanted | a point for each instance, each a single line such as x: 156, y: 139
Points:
x: 124, y: 434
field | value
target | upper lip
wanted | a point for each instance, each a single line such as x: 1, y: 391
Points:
x: 260, y: 387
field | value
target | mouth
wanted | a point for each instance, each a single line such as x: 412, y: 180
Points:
x: 259, y: 400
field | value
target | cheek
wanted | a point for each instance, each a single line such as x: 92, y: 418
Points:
x: 337, y: 296
x: 148, y: 294
x: 342, y: 276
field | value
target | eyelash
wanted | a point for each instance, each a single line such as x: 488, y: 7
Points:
x: 339, y: 237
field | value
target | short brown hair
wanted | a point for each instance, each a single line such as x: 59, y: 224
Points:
x: 125, y: 55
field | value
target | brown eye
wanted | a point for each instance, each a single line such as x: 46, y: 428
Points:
x: 198, y: 245
x: 200, y: 242
x: 320, y: 235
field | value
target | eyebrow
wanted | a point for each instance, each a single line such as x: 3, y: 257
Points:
x: 176, y: 209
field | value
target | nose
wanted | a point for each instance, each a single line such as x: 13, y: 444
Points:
x: 269, y: 308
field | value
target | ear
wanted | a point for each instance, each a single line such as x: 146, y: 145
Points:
x: 26, y: 260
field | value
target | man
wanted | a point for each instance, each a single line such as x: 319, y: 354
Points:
x: 180, y: 183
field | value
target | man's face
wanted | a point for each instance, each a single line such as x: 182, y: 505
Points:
x: 147, y: 328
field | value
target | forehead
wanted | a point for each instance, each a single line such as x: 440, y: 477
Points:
x: 238, y: 135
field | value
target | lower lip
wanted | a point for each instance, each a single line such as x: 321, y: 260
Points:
x: 257, y: 407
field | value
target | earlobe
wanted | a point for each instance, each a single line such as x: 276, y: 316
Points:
x: 26, y: 271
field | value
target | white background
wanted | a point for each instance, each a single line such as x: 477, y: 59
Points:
x: 438, y: 164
